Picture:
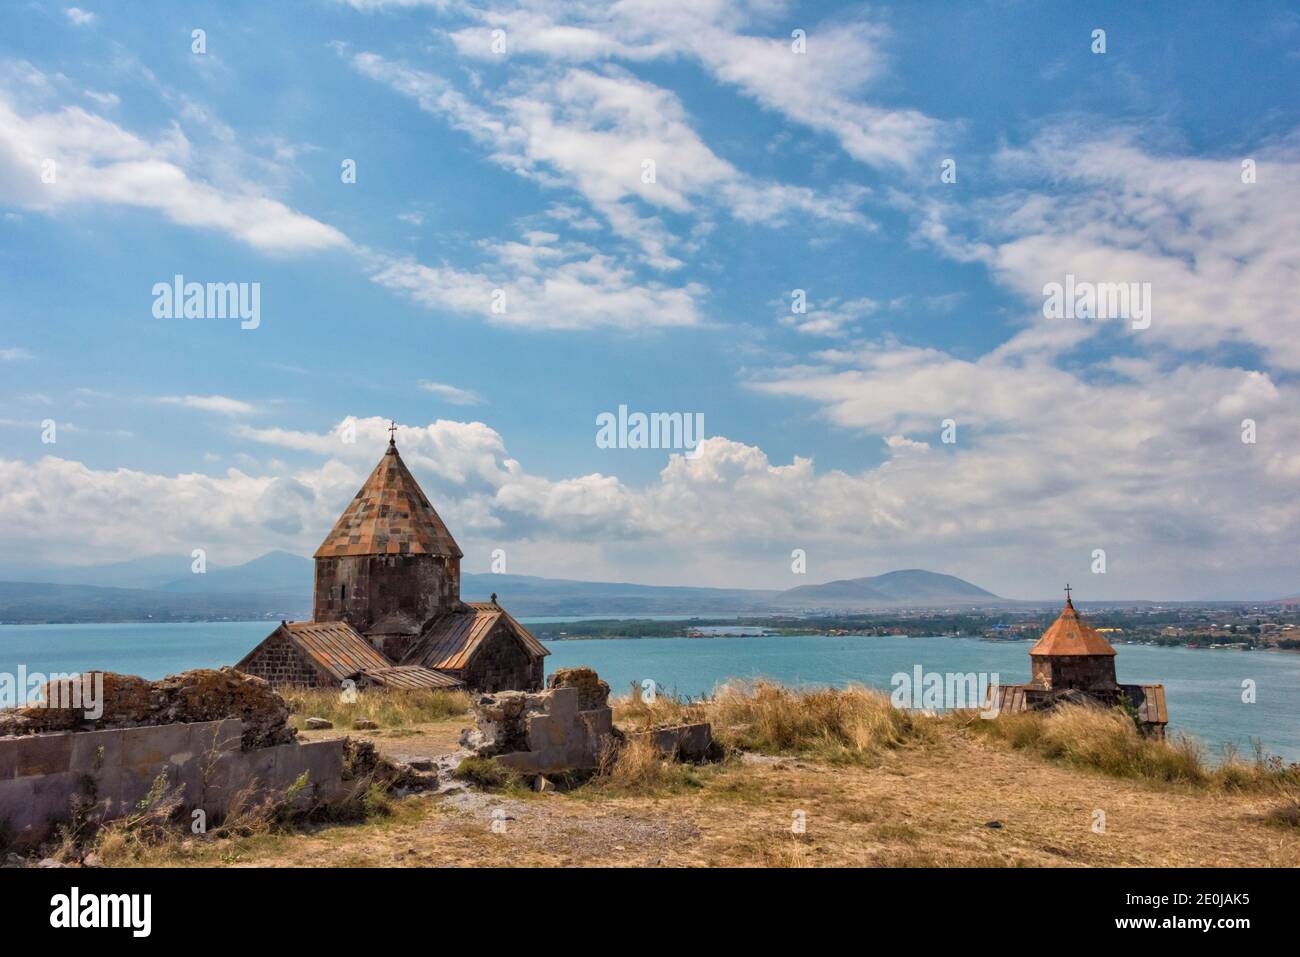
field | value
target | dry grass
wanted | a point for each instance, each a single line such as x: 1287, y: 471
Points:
x: 634, y: 714
x: 490, y: 775
x: 1107, y: 741
x: 388, y: 709
x: 636, y: 766
x: 853, y: 724
x: 157, y: 836
x: 1285, y: 814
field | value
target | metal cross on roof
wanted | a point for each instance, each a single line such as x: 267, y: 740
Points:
x: 392, y: 432
x: 1067, y: 592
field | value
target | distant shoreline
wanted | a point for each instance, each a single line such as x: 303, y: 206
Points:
x: 914, y: 623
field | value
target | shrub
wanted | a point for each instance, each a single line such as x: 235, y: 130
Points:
x: 635, y: 766
x: 842, y: 725
x: 489, y: 773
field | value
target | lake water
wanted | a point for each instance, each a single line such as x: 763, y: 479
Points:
x: 1203, y: 687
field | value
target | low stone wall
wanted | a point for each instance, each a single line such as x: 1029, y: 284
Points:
x: 110, y: 772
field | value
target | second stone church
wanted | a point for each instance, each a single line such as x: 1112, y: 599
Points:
x: 386, y: 610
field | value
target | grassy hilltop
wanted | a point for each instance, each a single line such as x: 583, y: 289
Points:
x: 871, y: 785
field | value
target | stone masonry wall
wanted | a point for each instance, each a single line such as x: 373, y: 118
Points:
x: 1084, y: 672
x: 363, y: 589
x: 281, y: 663
x: 502, y: 664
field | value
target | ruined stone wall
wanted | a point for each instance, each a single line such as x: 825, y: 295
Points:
x: 539, y: 732
x: 362, y: 589
x: 1084, y: 672
x: 107, y: 773
x: 279, y: 662
x: 502, y: 664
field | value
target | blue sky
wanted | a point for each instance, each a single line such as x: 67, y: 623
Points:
x: 522, y: 171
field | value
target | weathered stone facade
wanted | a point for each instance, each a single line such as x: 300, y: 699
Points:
x: 501, y: 664
x: 280, y: 662
x: 362, y: 589
x: 1081, y: 672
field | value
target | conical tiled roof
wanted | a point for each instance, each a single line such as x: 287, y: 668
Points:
x: 1071, y: 635
x: 389, y: 516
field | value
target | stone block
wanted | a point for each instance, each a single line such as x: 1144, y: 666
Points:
x: 144, y: 748
x: 685, y: 742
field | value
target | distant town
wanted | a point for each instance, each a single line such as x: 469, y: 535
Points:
x: 1244, y: 626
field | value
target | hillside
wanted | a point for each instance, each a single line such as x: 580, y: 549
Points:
x: 275, y: 572
x: 912, y: 586
x: 45, y: 602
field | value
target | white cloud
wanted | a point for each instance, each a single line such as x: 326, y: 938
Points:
x: 96, y: 161
x: 223, y: 405
x: 14, y: 353
x: 453, y: 394
x: 1149, y: 467
x: 831, y: 317
x: 595, y: 132
x: 79, y: 17
x: 824, y: 88
x: 1222, y: 257
x: 541, y: 285
x: 103, y: 99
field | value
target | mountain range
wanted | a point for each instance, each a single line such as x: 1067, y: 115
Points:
x: 279, y: 585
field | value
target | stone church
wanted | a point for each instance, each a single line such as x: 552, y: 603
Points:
x: 387, y: 611
x: 1073, y: 662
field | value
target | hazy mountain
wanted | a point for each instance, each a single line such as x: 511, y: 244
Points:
x: 149, y: 572
x: 278, y: 572
x: 279, y: 584
x: 532, y: 595
x: 911, y: 586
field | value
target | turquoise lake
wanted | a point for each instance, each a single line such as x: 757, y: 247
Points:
x: 1203, y: 687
